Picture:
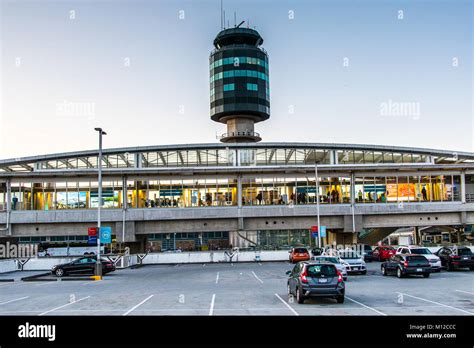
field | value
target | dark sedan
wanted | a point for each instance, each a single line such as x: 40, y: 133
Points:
x: 315, y: 279
x: 82, y: 266
x: 408, y: 264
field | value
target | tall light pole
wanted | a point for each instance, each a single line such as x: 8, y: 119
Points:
x: 317, y: 202
x: 98, y: 264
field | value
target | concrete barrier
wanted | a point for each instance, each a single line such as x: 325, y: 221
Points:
x: 8, y: 266
x: 45, y: 264
x: 215, y: 256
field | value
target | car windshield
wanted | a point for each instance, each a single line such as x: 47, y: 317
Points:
x: 420, y: 251
x: 367, y: 248
x: 321, y: 270
x: 300, y: 250
x: 464, y: 251
x: 329, y: 259
x: 416, y: 258
x: 388, y: 249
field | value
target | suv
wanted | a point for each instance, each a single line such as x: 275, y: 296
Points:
x: 353, y: 261
x: 315, y: 279
x: 456, y: 257
x: 434, y: 260
x: 406, y: 264
x: 299, y: 254
x: 368, y: 253
x: 383, y: 252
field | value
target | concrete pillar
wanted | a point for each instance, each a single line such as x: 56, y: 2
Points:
x: 9, y: 205
x: 463, y: 187
x: 239, y: 191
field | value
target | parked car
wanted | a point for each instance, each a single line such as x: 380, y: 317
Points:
x: 336, y: 261
x: 353, y: 261
x: 299, y: 254
x: 454, y: 257
x: 434, y: 260
x: 315, y: 279
x: 383, y: 252
x: 406, y: 264
x: 317, y: 251
x: 82, y: 266
x: 367, y: 253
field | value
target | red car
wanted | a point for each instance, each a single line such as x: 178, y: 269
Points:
x: 299, y: 254
x: 383, y: 252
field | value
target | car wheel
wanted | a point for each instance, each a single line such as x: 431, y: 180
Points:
x: 399, y: 273
x: 299, y: 296
x: 471, y: 268
x: 59, y: 272
x: 449, y: 267
x: 426, y: 275
x: 363, y: 272
x: 340, y: 299
x: 384, y: 271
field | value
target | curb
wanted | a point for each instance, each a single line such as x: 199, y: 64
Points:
x: 6, y: 280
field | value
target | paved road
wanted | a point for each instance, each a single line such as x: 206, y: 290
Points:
x: 237, y: 289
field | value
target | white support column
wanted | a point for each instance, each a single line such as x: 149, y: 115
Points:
x: 239, y: 191
x: 463, y: 186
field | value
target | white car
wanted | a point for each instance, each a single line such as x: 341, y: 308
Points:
x: 434, y: 260
x: 353, y: 262
x: 334, y: 260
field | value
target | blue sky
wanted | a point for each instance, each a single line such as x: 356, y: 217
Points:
x: 139, y: 69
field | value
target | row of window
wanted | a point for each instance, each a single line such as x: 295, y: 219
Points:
x: 239, y: 73
x: 236, y: 61
x: 223, y: 192
x: 189, y: 235
x: 231, y: 87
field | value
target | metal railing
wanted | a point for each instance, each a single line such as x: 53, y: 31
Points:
x: 240, y: 134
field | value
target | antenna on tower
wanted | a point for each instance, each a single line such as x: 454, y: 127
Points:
x: 222, y: 22
x: 235, y: 19
x: 224, y: 19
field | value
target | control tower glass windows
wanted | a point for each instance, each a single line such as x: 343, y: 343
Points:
x: 229, y: 87
x: 252, y: 87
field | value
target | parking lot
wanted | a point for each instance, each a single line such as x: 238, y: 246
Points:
x: 236, y: 289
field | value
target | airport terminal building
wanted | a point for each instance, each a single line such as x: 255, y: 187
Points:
x: 239, y: 192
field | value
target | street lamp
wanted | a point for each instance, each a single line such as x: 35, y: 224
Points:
x: 98, y: 264
x: 317, y: 202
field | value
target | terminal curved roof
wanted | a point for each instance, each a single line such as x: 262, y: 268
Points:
x: 216, y: 154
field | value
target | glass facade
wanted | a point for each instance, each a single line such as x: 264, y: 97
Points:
x: 221, y: 191
x: 223, y: 156
x: 188, y: 241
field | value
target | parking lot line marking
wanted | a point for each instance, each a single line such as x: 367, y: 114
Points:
x: 46, y: 283
x: 136, y: 306
x: 363, y: 305
x: 438, y: 303
x: 466, y: 292
x: 17, y: 299
x: 286, y: 304
x: 211, y: 310
x: 217, y: 277
x: 65, y: 305
x: 261, y: 281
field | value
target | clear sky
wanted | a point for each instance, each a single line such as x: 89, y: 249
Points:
x: 374, y: 72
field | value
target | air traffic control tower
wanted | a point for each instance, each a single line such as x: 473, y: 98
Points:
x: 240, y: 92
